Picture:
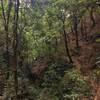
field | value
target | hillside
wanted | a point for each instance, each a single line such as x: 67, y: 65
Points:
x: 50, y: 50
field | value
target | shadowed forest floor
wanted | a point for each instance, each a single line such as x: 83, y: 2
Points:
x: 84, y: 62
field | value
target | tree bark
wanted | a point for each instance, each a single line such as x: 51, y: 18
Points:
x: 92, y: 17
x: 16, y: 43
x: 66, y: 43
x: 75, y: 24
x: 6, y: 27
x: 82, y: 29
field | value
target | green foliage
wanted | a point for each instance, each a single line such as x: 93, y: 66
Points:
x: 75, y: 85
x: 38, y: 29
x: 69, y: 82
x: 96, y: 74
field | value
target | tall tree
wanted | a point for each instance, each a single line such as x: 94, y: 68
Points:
x: 16, y: 43
x: 66, y: 42
x: 6, y: 19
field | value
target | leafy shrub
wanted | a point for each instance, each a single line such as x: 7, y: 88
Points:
x: 54, y: 73
x: 74, y: 85
x: 68, y: 84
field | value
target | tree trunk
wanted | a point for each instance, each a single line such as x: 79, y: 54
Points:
x: 75, y: 30
x: 82, y: 29
x: 66, y: 43
x: 92, y: 17
x: 16, y: 43
x: 6, y: 26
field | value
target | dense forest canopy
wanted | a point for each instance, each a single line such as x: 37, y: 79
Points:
x: 49, y: 49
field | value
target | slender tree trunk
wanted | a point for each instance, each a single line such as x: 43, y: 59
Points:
x: 66, y: 43
x: 16, y: 43
x: 92, y: 17
x: 82, y: 29
x: 85, y: 28
x: 75, y: 30
x: 6, y: 26
x: 72, y: 30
